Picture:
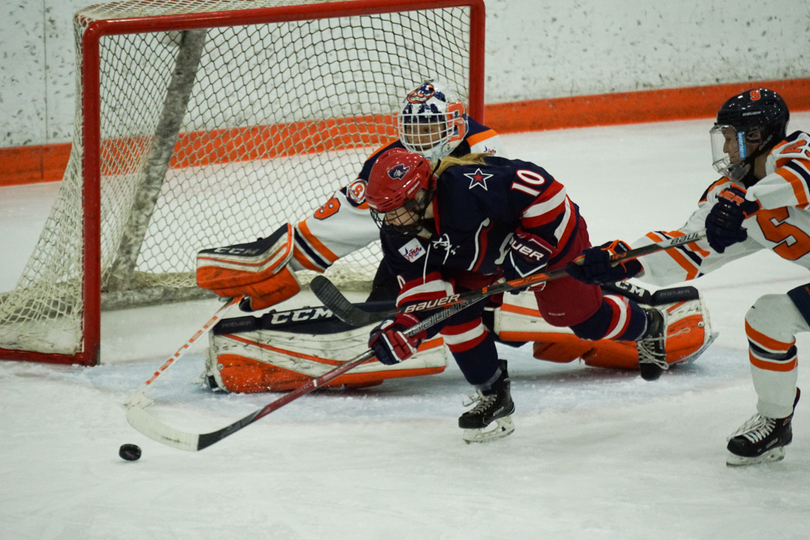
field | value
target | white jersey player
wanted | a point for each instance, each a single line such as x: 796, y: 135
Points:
x: 763, y: 202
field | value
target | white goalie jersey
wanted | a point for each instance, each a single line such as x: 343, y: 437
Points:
x: 782, y: 225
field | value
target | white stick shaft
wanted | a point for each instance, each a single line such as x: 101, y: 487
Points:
x: 138, y: 397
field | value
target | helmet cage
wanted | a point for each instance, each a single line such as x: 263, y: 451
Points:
x: 407, y: 219
x: 432, y: 122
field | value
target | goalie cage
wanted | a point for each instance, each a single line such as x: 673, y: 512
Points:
x: 210, y: 122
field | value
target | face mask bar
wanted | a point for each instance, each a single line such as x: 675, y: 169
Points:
x: 433, y: 134
x: 422, y: 133
x: 405, y: 220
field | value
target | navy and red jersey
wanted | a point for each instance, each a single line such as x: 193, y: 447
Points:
x: 343, y: 224
x: 477, y: 208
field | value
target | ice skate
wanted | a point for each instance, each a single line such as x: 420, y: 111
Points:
x: 652, y: 352
x: 761, y: 440
x: 494, y: 406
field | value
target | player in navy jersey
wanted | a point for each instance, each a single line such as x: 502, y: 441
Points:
x: 467, y: 224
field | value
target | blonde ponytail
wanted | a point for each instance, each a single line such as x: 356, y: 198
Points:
x: 469, y: 159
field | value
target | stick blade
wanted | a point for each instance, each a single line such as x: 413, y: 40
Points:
x: 156, y: 430
x: 344, y: 310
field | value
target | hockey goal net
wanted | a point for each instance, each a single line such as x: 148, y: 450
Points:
x: 210, y: 122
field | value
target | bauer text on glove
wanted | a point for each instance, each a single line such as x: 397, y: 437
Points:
x: 527, y: 255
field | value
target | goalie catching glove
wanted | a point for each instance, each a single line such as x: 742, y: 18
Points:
x: 257, y: 270
x: 594, y: 265
x: 389, y: 342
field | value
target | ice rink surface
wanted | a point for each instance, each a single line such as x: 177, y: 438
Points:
x: 596, y: 454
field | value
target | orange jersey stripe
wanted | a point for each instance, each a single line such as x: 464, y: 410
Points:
x: 678, y: 257
x: 305, y: 262
x: 714, y: 185
x: 475, y: 139
x: 693, y: 246
x: 796, y: 183
x: 316, y: 244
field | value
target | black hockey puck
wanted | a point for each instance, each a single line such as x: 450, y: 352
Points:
x: 130, y: 452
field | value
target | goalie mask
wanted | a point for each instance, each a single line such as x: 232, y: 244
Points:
x: 748, y: 125
x: 400, y: 188
x: 432, y: 122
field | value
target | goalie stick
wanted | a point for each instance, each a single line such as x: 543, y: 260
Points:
x: 349, y: 313
x: 163, y: 433
x: 138, y: 397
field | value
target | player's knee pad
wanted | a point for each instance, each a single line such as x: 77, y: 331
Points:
x: 257, y: 269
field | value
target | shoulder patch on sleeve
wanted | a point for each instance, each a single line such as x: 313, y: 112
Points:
x: 356, y: 192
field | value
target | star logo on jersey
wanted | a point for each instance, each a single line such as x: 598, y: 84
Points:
x: 478, y: 178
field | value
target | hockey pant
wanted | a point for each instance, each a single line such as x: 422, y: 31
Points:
x: 771, y: 326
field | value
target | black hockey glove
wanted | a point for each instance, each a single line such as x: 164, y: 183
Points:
x: 724, y: 222
x: 593, y: 266
x: 389, y: 342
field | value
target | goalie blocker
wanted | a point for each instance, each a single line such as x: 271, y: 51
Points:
x: 281, y: 350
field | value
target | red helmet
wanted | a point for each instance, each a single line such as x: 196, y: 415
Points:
x: 396, y: 177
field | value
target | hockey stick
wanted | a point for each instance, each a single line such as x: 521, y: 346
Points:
x: 138, y: 397
x: 349, y: 313
x: 153, y: 428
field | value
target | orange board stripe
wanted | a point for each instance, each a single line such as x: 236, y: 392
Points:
x: 32, y: 164
x: 633, y: 107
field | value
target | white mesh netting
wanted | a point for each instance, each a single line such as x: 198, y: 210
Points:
x: 278, y: 117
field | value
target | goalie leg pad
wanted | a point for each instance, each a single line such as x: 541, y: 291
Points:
x: 277, y: 361
x: 256, y: 269
x: 688, y: 335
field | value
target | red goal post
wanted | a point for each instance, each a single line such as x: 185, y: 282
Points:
x: 190, y: 110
